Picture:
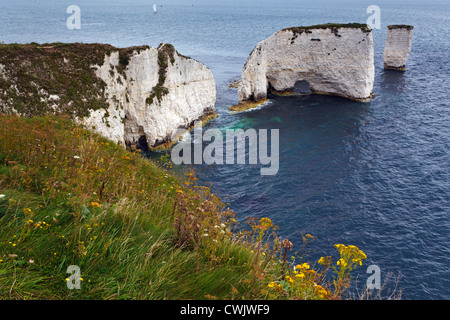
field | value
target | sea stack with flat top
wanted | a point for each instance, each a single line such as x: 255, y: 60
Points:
x: 397, y: 47
x: 334, y: 59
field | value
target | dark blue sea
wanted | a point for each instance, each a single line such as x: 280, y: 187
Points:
x: 375, y: 175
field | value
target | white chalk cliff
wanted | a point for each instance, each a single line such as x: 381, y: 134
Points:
x: 137, y: 96
x: 333, y: 59
x: 397, y: 46
x: 161, y: 92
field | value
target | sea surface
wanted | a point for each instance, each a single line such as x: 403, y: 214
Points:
x: 375, y: 175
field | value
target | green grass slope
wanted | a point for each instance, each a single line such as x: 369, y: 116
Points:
x: 70, y: 197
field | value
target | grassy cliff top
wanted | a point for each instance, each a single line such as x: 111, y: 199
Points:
x: 30, y: 73
x: 136, y: 231
x: 364, y: 27
x: 71, y: 197
x: 400, y: 26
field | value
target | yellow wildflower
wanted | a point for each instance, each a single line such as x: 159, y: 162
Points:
x: 302, y: 266
x: 95, y: 204
x: 289, y: 279
x: 265, y: 222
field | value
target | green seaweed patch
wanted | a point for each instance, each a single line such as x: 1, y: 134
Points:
x: 401, y: 68
x: 367, y: 99
x: 247, y: 105
x: 168, y: 142
x: 284, y: 93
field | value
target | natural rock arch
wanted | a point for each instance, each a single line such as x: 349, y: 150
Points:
x: 334, y: 59
x: 302, y: 87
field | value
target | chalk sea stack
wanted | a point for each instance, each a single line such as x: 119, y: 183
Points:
x: 334, y: 59
x: 137, y: 96
x: 397, y: 47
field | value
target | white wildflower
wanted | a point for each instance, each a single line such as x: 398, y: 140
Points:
x: 76, y: 157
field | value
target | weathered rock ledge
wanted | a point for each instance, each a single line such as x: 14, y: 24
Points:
x: 334, y: 59
x: 136, y: 96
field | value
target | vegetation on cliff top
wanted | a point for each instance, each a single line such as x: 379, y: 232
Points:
x: 71, y: 197
x: 31, y: 73
x: 333, y: 26
x: 400, y: 26
x: 166, y: 54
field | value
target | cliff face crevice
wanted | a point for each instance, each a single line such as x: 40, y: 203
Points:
x: 135, y: 96
x: 333, y: 59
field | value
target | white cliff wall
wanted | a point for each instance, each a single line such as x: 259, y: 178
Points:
x: 188, y: 93
x: 109, y: 122
x: 397, y: 46
x: 191, y: 94
x: 334, y: 60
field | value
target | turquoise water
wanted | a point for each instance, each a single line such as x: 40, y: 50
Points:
x: 375, y: 174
